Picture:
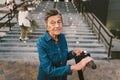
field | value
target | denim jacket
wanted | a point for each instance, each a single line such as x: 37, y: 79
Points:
x: 53, y: 57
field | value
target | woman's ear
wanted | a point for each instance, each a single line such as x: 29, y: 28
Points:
x: 46, y: 25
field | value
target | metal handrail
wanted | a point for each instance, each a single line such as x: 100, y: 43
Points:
x: 4, y: 16
x: 98, y: 26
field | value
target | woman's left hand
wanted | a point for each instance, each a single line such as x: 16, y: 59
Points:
x: 77, y: 51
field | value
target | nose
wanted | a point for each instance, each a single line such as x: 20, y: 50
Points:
x: 56, y: 24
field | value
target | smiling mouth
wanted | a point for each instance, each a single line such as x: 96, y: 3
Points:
x: 57, y: 29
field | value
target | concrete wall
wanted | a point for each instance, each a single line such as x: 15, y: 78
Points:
x: 108, y: 11
x: 100, y: 8
x: 113, y: 19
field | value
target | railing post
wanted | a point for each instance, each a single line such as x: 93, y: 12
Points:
x: 92, y: 21
x: 79, y: 6
x: 109, y: 50
x: 99, y: 33
x: 9, y: 23
x: 83, y: 7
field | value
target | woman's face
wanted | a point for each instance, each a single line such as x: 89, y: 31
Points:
x: 54, y: 25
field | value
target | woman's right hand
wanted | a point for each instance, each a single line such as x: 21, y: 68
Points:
x: 82, y: 64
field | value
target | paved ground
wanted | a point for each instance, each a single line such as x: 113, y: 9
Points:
x: 105, y: 71
x: 21, y: 70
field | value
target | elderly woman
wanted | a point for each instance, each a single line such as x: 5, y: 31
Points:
x: 53, y: 51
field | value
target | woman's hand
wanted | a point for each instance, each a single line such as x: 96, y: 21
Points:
x: 77, y: 51
x: 82, y: 64
x: 29, y: 19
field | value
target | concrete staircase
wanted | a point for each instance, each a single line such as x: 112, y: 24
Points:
x: 76, y: 30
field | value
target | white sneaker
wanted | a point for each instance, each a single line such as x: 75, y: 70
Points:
x: 24, y: 42
x: 21, y: 39
x: 26, y: 38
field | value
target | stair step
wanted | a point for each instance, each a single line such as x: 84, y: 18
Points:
x: 67, y: 33
x: 82, y: 45
x: 17, y: 48
x: 65, y: 28
x: 91, y: 45
x: 82, y: 41
x: 31, y: 44
x: 19, y: 53
x: 91, y: 50
x: 16, y: 40
x: 67, y: 36
x: 99, y: 56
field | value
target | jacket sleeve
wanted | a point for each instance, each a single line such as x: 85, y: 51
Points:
x: 47, y: 66
x: 70, y: 55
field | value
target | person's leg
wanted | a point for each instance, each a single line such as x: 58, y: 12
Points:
x: 21, y: 33
x: 55, y: 5
x: 26, y: 33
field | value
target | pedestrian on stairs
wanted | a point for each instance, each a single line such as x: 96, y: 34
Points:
x: 55, y: 3
x: 10, y: 4
x: 24, y: 22
x: 53, y: 51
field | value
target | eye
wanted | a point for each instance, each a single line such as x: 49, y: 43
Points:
x: 59, y: 22
x: 52, y: 23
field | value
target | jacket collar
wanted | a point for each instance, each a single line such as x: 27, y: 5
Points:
x: 48, y: 37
